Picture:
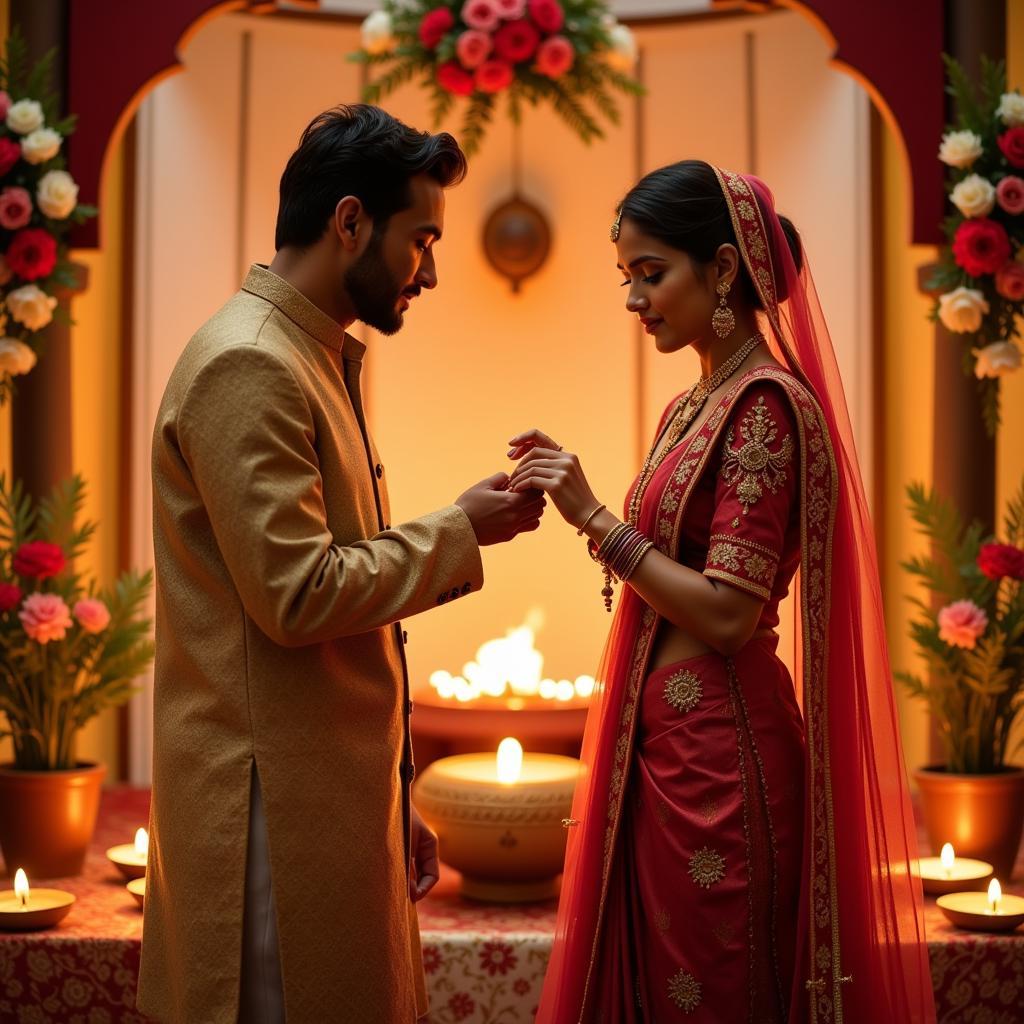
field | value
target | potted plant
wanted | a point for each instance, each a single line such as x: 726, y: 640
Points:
x: 67, y: 652
x: 971, y: 635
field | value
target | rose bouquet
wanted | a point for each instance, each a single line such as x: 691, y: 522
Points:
x: 981, y: 269
x: 972, y: 635
x: 67, y: 651
x: 566, y: 52
x: 38, y: 206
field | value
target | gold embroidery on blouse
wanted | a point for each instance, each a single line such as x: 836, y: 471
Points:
x: 725, y: 554
x: 754, y: 466
x: 758, y: 567
x: 683, y: 691
x: 684, y: 991
x: 707, y: 867
x: 735, y: 522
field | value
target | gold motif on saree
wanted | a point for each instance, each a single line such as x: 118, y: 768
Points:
x: 683, y: 691
x: 684, y: 991
x: 723, y: 932
x: 754, y: 466
x: 709, y: 810
x: 707, y: 867
x: 663, y: 920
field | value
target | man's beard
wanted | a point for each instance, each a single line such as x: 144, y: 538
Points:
x: 373, y: 289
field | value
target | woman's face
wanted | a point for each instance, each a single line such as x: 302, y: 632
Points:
x: 673, y: 296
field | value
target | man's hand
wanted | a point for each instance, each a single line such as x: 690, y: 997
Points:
x: 425, y: 871
x: 498, y: 515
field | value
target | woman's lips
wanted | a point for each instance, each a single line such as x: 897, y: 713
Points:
x: 651, y: 324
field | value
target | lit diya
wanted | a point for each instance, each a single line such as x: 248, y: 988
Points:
x: 948, y: 873
x: 24, y: 909
x: 137, y: 887
x: 131, y: 858
x: 984, y: 912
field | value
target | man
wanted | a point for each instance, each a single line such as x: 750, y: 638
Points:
x: 285, y: 854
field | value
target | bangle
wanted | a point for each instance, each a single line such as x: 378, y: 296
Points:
x: 600, y: 508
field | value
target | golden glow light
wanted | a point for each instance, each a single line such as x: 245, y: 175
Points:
x: 947, y: 857
x: 995, y: 894
x: 142, y: 843
x: 21, y: 890
x: 510, y: 760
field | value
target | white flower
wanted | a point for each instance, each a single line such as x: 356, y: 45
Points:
x: 31, y: 306
x: 1011, y: 109
x: 996, y: 359
x: 960, y: 149
x: 41, y: 145
x: 975, y: 196
x: 623, y: 51
x: 961, y: 309
x: 378, y: 33
x: 24, y: 116
x: 15, y: 357
x: 57, y: 194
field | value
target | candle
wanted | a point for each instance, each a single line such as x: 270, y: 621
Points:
x: 131, y: 858
x: 991, y: 911
x: 137, y: 887
x: 948, y: 873
x: 25, y: 909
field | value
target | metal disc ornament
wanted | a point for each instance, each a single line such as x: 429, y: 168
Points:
x: 517, y: 240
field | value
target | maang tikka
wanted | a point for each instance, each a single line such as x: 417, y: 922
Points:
x: 722, y: 321
x: 617, y: 226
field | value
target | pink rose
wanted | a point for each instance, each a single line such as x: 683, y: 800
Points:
x: 5, y: 104
x: 473, y: 47
x: 481, y: 14
x: 92, y: 614
x: 511, y: 10
x: 555, y: 56
x: 493, y: 76
x: 1010, y: 281
x: 961, y: 623
x: 1011, y: 142
x: 45, y: 617
x: 15, y: 208
x: 10, y: 596
x: 10, y: 154
x: 1010, y: 194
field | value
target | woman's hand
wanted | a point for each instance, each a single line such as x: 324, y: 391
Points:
x: 544, y: 466
x: 424, y: 870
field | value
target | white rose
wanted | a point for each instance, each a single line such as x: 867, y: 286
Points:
x: 41, y: 145
x: 15, y: 357
x: 1011, y: 109
x: 378, y: 33
x: 24, y: 116
x: 996, y: 359
x: 623, y: 51
x: 975, y: 196
x: 960, y: 149
x: 57, y: 194
x: 31, y: 306
x: 961, y: 309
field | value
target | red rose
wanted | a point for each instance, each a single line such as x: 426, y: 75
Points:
x: 39, y: 559
x: 10, y: 154
x: 516, y: 41
x: 494, y: 75
x: 999, y: 560
x: 1010, y: 281
x: 434, y: 26
x: 32, y: 254
x: 1011, y: 142
x: 10, y: 596
x: 455, y: 79
x: 547, y: 15
x: 981, y: 246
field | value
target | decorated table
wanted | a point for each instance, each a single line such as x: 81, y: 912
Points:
x: 484, y: 963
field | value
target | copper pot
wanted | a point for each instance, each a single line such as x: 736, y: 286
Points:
x: 981, y: 815
x: 47, y: 818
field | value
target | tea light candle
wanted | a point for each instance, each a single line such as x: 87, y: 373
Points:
x: 137, y: 887
x: 131, y: 858
x: 948, y: 873
x: 23, y: 909
x: 984, y: 912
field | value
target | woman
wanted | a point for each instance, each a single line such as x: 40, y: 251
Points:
x: 732, y: 857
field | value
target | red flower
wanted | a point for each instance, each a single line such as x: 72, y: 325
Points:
x: 434, y: 26
x: 521, y: 986
x: 1010, y: 281
x: 461, y: 1004
x: 10, y: 596
x: 32, y: 254
x: 497, y: 958
x: 10, y: 154
x: 1011, y: 142
x: 555, y: 56
x: 39, y: 559
x: 981, y: 246
x: 547, y: 15
x: 999, y: 560
x: 516, y: 41
x: 494, y: 75
x: 431, y: 959
x: 455, y: 79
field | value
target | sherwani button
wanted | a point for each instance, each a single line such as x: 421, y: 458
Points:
x: 455, y: 593
x: 441, y: 598
x: 466, y: 588
x: 408, y: 707
x: 405, y: 637
x: 379, y: 470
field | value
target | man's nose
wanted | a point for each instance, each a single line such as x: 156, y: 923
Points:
x: 426, y: 276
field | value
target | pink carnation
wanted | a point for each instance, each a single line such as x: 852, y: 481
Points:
x: 555, y: 56
x: 15, y: 208
x: 473, y: 48
x: 92, y: 614
x: 10, y: 596
x: 5, y: 103
x: 481, y: 14
x: 961, y: 623
x: 45, y: 617
x: 1010, y: 194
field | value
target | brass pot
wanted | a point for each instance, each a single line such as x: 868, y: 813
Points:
x: 47, y: 819
x: 981, y: 815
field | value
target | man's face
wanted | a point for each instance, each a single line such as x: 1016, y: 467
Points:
x: 398, y: 262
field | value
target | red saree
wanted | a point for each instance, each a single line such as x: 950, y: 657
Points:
x: 735, y: 860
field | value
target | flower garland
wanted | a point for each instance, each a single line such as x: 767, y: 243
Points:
x: 565, y: 52
x: 38, y: 206
x: 981, y: 268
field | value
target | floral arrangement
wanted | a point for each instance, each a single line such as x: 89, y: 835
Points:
x: 981, y: 270
x: 67, y: 651
x: 972, y: 633
x: 38, y: 206
x: 566, y: 52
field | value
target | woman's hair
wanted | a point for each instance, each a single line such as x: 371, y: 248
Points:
x: 683, y: 206
x: 360, y: 151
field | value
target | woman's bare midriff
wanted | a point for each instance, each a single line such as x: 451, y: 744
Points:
x: 673, y: 644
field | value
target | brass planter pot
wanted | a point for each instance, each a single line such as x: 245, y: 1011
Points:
x: 981, y: 815
x: 47, y: 819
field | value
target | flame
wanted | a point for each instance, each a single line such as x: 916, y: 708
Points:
x: 510, y: 760
x: 142, y: 843
x: 947, y: 857
x: 995, y: 894
x: 21, y: 890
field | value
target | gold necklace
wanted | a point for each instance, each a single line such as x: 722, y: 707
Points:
x: 683, y: 415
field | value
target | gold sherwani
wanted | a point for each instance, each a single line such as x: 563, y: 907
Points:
x: 280, y: 583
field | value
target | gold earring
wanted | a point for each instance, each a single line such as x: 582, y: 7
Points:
x: 723, y: 322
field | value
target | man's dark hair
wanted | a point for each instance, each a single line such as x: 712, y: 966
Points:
x: 360, y: 151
